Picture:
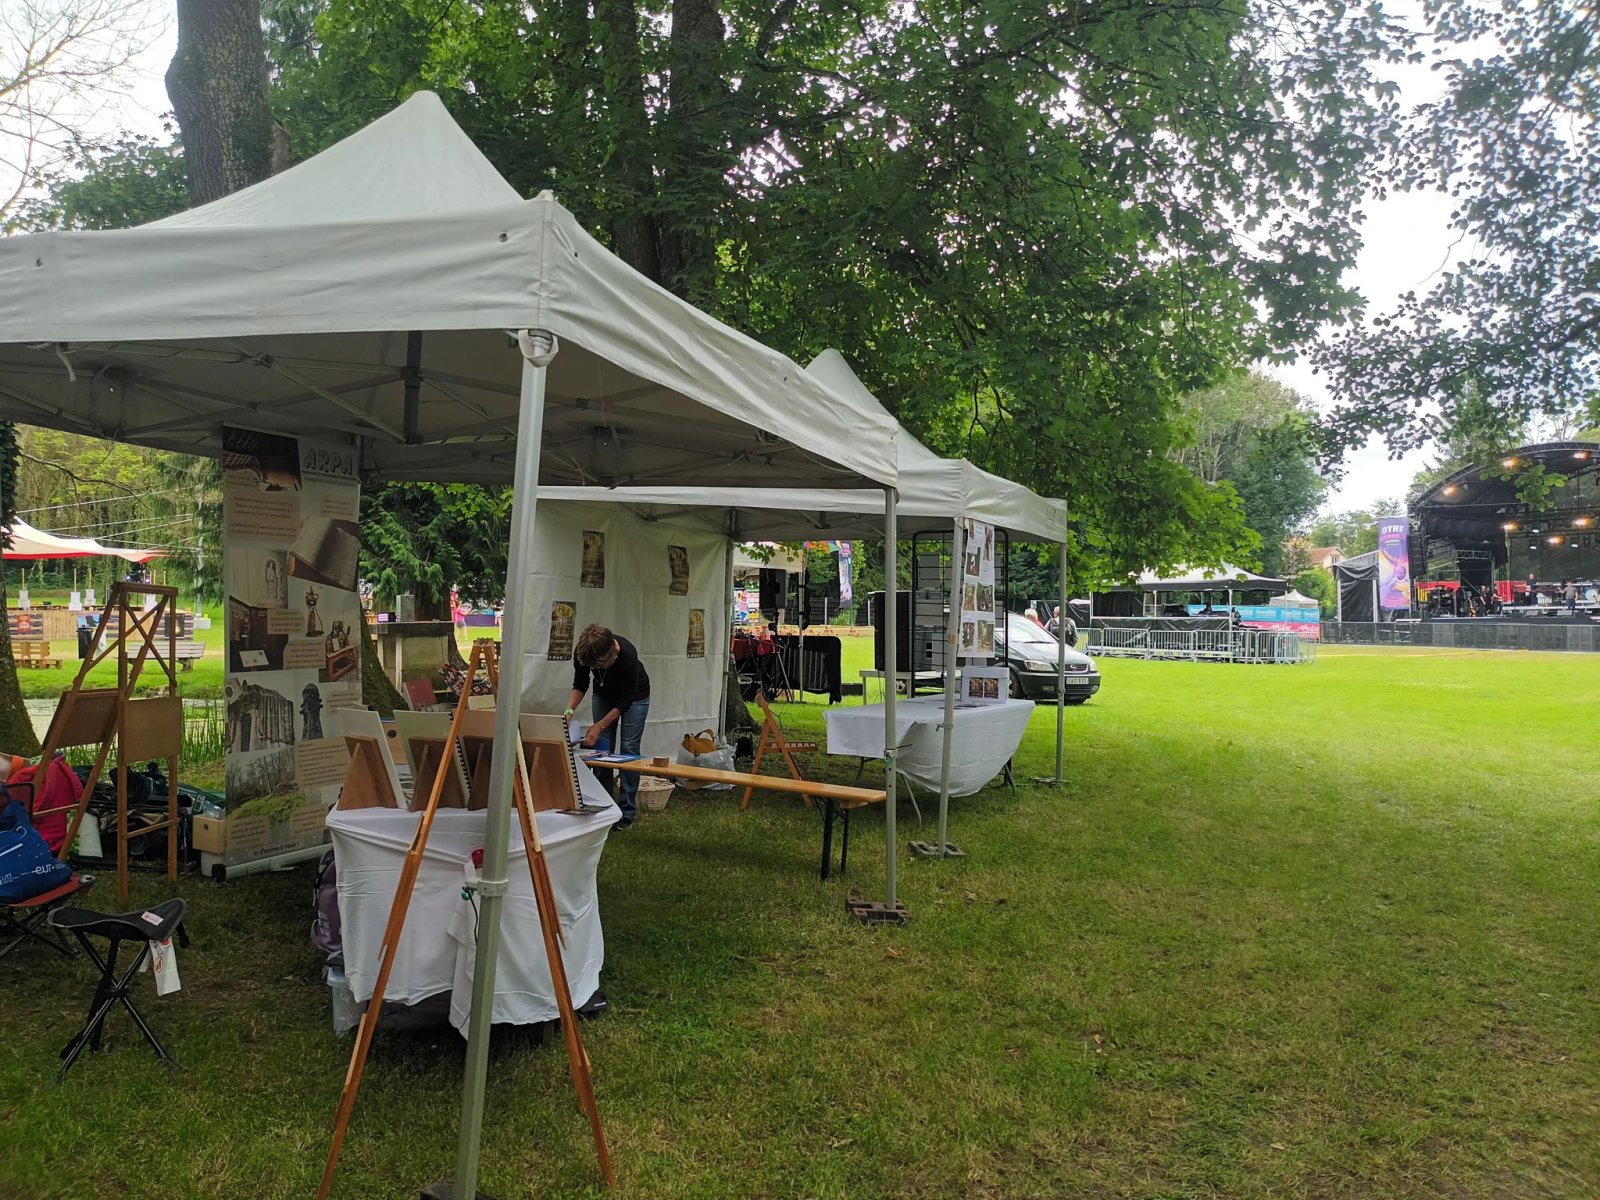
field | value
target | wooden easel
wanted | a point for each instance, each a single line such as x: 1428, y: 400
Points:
x: 142, y: 729
x: 772, y: 738
x: 485, y: 653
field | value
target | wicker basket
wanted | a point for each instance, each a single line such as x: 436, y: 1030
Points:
x: 654, y: 793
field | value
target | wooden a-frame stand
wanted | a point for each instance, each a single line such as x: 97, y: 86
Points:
x: 772, y: 739
x: 485, y: 653
x: 142, y: 729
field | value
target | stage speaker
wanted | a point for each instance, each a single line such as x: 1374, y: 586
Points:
x: 903, y: 659
x: 773, y: 585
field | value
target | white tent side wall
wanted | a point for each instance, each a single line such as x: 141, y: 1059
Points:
x: 685, y: 693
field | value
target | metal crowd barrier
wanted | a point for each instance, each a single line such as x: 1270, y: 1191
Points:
x: 1200, y: 645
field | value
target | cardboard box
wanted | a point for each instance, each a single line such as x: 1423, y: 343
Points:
x: 241, y: 839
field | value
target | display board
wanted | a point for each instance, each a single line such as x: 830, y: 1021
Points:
x: 977, y: 590
x: 1280, y: 618
x: 290, y: 551
x: 660, y: 584
x: 1394, y: 562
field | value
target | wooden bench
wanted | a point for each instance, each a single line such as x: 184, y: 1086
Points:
x: 188, y: 652
x: 34, y: 654
x: 838, y: 801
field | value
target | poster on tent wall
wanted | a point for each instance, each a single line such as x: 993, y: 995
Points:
x: 291, y: 546
x: 977, y: 590
x: 1394, y: 562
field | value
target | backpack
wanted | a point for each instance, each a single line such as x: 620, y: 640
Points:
x: 27, y: 868
x: 56, y: 797
x: 325, y: 930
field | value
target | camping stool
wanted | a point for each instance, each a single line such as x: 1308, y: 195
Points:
x: 150, y: 925
x: 24, y: 919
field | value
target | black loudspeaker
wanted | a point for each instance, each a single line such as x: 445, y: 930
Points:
x: 902, y: 630
x: 773, y: 586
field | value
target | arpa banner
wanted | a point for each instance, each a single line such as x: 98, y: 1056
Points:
x: 1394, y: 562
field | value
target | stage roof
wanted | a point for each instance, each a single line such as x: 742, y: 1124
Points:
x: 1476, y: 503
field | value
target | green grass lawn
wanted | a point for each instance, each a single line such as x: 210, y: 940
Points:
x: 1321, y: 931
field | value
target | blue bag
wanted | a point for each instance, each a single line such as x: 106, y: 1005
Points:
x: 27, y: 868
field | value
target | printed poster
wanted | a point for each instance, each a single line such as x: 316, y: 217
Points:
x: 977, y: 590
x: 593, y: 572
x: 697, y: 633
x: 1394, y: 562
x: 678, y: 563
x: 290, y: 564
x: 563, y: 629
x: 847, y: 591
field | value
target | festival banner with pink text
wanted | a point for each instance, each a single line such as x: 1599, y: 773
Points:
x: 1394, y: 562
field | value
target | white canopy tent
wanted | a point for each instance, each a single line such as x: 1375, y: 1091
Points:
x: 396, y: 292
x: 931, y: 488
x: 28, y: 542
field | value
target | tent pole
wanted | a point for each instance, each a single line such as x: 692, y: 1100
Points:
x: 805, y: 606
x: 891, y: 640
x: 727, y: 611
x: 538, y: 348
x: 1061, y: 667
x: 952, y: 638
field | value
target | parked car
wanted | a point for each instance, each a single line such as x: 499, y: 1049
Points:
x: 1030, y: 652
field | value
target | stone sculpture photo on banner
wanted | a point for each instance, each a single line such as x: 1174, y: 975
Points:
x: 697, y: 633
x: 678, y: 562
x: 563, y: 623
x: 593, y: 574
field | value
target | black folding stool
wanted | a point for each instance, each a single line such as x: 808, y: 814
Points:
x: 143, y: 927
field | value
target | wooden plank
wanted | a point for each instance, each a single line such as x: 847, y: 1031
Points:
x: 848, y: 797
x: 153, y: 728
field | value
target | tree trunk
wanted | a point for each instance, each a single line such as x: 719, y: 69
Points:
x: 376, y: 690
x: 218, y: 86
x: 633, y: 231
x: 693, y: 153
x: 16, y: 730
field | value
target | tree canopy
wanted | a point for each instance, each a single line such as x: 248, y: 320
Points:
x: 1029, y: 232
x: 1509, y: 330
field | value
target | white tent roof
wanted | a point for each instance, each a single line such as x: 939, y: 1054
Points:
x: 366, y: 292
x: 932, y: 489
x: 1200, y: 579
x: 1300, y: 600
x: 28, y: 542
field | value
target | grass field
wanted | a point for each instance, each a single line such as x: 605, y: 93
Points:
x: 1323, y: 931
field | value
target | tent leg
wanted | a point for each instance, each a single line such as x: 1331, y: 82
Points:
x: 952, y: 638
x: 889, y: 910
x: 727, y: 612
x: 538, y: 348
x: 1061, y: 673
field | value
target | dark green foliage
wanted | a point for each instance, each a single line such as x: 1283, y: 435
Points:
x: 16, y: 730
x: 1508, y: 329
x: 427, y: 538
x: 108, y: 185
x: 1025, y: 231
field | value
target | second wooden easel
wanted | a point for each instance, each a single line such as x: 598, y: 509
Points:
x: 485, y: 654
x: 772, y: 738
x: 142, y: 729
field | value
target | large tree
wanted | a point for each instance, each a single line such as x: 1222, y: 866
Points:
x: 1510, y: 329
x: 1030, y: 231
x: 218, y: 86
x: 1255, y: 435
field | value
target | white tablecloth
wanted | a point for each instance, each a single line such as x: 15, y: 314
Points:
x: 985, y: 738
x: 438, y: 948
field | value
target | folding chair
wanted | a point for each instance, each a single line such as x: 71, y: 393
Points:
x: 30, y: 918
x: 144, y: 927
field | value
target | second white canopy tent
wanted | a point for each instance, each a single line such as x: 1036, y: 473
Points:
x: 931, y: 488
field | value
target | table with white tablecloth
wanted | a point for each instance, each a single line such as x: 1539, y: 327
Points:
x: 983, y: 740
x: 438, y: 947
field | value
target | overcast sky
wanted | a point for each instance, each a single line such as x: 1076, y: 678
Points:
x: 1407, y: 240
